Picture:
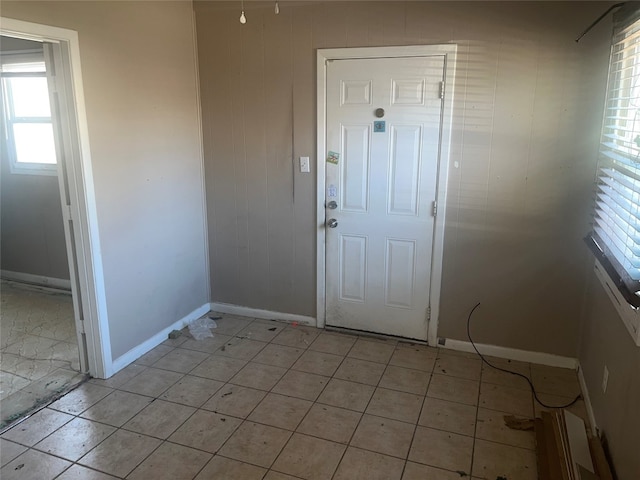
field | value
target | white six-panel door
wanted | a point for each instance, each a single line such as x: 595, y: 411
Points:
x: 383, y: 181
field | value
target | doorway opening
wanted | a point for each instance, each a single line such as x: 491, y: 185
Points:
x: 40, y: 343
x: 42, y: 63
x: 384, y: 129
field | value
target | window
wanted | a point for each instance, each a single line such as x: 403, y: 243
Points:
x: 28, y: 130
x: 615, y: 239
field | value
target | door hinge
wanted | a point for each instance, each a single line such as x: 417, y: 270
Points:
x: 434, y: 209
x: 81, y: 325
x: 441, y: 94
x: 429, y: 313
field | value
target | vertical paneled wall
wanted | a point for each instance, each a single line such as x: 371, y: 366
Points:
x: 528, y: 105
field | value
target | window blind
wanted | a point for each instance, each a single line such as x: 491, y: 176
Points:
x: 615, y: 238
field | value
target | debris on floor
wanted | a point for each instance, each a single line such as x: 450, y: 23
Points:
x: 516, y: 423
x: 173, y: 334
x: 201, y: 328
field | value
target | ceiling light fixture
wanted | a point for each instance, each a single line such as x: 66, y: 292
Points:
x: 243, y: 19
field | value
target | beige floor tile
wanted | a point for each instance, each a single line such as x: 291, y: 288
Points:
x: 75, y: 439
x: 333, y: 343
x: 395, y: 405
x: 256, y: 444
x: 83, y: 397
x: 171, y: 462
x: 33, y: 465
x: 317, y: 362
x: 192, y: 391
x: 262, y: 330
x: 152, y: 382
x: 36, y: 427
x: 117, y: 408
x: 159, y: 419
x: 461, y: 367
x: 278, y: 355
x: 491, y: 426
x: 228, y: 469
x: 405, y: 380
x: 362, y: 464
x: 219, y: 368
x: 272, y: 475
x: 259, y: 376
x: 280, y: 411
x: 383, y: 435
x: 241, y: 348
x: 298, y: 337
x: 207, y: 345
x: 441, y: 449
x: 416, y: 471
x: 181, y: 360
x: 456, y: 353
x: 418, y: 357
x: 78, y: 472
x: 331, y: 423
x: 453, y: 389
x: 235, y: 400
x: 310, y: 458
x: 372, y: 351
x: 154, y: 355
x: 493, y: 460
x: 230, y: 324
x: 301, y: 385
x: 205, y: 431
x: 9, y: 451
x: 123, y: 376
x: 506, y: 399
x: 344, y: 394
x: 120, y: 453
x: 555, y: 381
x: 361, y: 371
x: 450, y: 416
x: 497, y: 377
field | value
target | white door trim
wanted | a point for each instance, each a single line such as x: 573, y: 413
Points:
x: 81, y: 190
x: 449, y: 52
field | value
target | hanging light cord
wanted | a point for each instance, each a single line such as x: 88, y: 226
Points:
x: 533, y: 390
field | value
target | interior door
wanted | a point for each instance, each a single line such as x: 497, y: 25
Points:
x: 62, y: 139
x: 383, y: 143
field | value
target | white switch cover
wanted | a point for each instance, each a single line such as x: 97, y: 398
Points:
x: 304, y: 165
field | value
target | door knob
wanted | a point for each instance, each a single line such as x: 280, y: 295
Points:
x: 332, y: 223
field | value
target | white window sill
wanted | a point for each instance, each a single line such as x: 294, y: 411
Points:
x: 34, y: 169
x: 629, y: 315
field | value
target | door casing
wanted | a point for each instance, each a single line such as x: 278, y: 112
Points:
x: 324, y: 55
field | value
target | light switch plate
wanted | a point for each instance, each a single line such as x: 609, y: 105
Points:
x: 304, y: 165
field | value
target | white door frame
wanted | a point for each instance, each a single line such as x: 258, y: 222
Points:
x: 324, y: 55
x: 82, y: 211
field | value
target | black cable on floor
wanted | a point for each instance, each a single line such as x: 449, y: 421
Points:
x: 533, y: 390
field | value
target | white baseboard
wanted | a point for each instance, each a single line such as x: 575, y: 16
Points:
x: 50, y: 282
x: 136, y: 352
x: 262, y: 314
x: 587, y: 400
x: 512, y: 354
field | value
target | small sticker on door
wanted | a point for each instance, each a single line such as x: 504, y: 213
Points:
x: 333, y: 157
x: 332, y: 191
x: 379, y: 127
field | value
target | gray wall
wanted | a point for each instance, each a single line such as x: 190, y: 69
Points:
x: 606, y: 341
x: 527, y: 119
x: 139, y: 76
x: 31, y: 224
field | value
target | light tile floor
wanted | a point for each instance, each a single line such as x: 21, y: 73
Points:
x: 38, y: 347
x: 266, y: 400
